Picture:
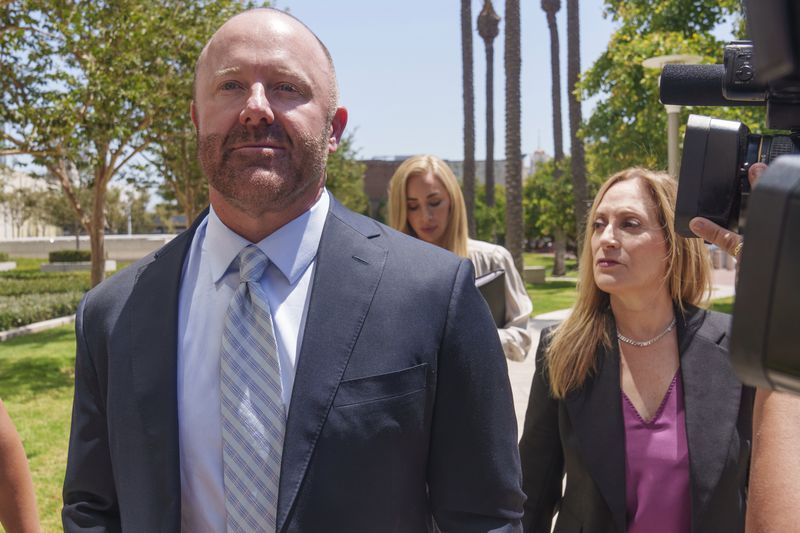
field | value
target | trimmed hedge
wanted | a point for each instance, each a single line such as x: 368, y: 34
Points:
x: 70, y: 256
x: 34, y: 283
x: 3, y: 257
x: 16, y: 311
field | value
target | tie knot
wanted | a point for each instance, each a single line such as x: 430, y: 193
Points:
x: 252, y: 263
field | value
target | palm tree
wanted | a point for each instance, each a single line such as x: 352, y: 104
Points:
x: 513, y: 61
x: 488, y: 29
x: 550, y: 8
x: 469, y: 114
x: 578, y: 159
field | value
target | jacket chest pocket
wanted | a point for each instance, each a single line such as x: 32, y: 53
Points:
x: 382, y: 387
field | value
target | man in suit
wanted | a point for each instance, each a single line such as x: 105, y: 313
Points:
x: 286, y: 364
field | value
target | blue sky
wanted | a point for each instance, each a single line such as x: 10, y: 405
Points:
x: 399, y: 70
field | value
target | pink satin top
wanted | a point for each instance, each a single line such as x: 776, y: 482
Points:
x: 657, y: 485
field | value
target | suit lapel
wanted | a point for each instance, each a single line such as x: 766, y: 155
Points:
x: 348, y: 268
x: 711, y: 395
x: 596, y: 414
x: 153, y: 323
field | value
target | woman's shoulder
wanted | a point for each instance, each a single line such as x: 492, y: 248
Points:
x: 711, y: 325
x: 484, y: 248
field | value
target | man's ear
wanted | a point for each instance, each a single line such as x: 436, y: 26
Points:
x: 338, y: 123
x: 193, y: 113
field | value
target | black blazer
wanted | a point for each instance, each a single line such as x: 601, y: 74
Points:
x: 401, y: 413
x: 584, y: 437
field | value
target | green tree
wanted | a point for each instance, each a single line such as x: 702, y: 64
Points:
x: 57, y: 210
x: 21, y: 205
x: 549, y: 206
x: 628, y: 125
x: 490, y: 219
x: 174, y: 158
x: 86, y: 83
x: 346, y: 176
x: 120, y: 205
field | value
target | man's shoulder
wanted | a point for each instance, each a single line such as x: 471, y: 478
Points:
x: 399, y: 244
x: 114, y: 291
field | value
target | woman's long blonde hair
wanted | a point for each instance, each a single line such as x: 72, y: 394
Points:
x: 571, y: 356
x: 455, y: 236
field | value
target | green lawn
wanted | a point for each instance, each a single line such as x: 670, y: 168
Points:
x: 551, y: 296
x: 28, y: 263
x: 36, y: 383
x: 723, y: 305
x: 555, y: 295
x: 546, y: 260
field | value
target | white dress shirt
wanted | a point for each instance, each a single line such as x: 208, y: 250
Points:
x: 207, y: 286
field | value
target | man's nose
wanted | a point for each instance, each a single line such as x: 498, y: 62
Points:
x: 256, y: 108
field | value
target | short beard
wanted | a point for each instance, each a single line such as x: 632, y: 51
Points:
x: 260, y: 184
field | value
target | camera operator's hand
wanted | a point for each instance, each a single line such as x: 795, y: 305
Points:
x: 727, y: 240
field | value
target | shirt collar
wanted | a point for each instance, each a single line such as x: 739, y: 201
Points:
x: 291, y: 248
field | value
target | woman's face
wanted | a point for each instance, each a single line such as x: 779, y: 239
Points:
x: 428, y: 207
x: 628, y: 244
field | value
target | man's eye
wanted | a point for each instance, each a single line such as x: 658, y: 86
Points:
x: 286, y: 87
x: 230, y: 86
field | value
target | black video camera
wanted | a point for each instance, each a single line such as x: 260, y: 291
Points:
x: 718, y: 153
x: 765, y: 344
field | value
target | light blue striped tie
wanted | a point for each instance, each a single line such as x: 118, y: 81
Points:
x: 253, y: 414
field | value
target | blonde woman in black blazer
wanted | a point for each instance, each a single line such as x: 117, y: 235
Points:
x: 634, y: 333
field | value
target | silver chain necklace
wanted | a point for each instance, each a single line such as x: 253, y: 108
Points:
x: 642, y: 344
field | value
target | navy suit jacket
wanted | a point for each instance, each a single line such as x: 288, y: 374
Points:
x: 584, y: 437
x: 401, y: 416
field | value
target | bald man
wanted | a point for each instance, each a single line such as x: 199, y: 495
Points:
x: 285, y: 364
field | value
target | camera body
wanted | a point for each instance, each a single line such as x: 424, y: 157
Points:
x: 739, y: 83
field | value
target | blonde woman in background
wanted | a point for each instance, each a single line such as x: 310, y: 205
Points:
x: 633, y: 396
x: 425, y: 201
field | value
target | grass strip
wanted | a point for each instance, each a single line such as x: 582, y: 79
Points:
x: 36, y: 384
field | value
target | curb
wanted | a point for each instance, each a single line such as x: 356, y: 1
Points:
x: 36, y: 327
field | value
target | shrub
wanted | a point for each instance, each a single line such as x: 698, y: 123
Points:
x: 3, y: 257
x: 70, y: 256
x: 16, y: 311
x: 29, y: 282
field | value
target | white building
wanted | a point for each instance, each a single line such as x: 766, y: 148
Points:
x: 13, y: 224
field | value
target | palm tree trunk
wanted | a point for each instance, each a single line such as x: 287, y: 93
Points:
x: 489, y: 171
x: 513, y: 61
x: 558, y: 139
x: 469, y: 114
x: 578, y: 159
x: 560, y: 249
x: 551, y: 7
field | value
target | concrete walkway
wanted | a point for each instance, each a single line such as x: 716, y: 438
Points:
x: 520, y: 374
